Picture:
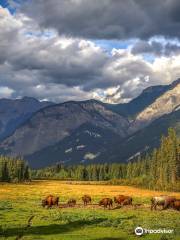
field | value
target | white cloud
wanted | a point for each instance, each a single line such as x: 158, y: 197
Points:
x: 38, y: 62
x: 5, y: 92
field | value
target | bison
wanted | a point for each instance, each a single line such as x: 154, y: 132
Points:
x: 86, y: 199
x: 176, y: 204
x: 164, y: 201
x: 106, y: 202
x: 71, y: 202
x: 50, y: 200
x: 123, y: 200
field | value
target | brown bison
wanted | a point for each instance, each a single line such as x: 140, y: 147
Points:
x: 86, y: 199
x: 50, y: 200
x: 123, y: 200
x: 164, y: 201
x: 71, y: 202
x: 106, y: 202
x: 176, y: 204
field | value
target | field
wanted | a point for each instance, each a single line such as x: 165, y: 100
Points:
x: 20, y: 202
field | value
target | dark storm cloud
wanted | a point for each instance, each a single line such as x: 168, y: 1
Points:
x: 24, y: 49
x: 146, y: 47
x: 156, y: 48
x: 171, y: 49
x: 108, y: 19
x: 73, y: 66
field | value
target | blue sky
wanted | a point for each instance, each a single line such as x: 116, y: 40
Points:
x: 110, y: 44
x: 6, y: 4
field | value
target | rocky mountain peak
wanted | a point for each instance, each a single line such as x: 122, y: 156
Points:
x: 166, y: 103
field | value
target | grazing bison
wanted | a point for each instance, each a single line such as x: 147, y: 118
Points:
x: 123, y: 200
x: 106, y: 202
x: 164, y: 201
x: 86, y: 199
x: 71, y: 202
x: 176, y: 204
x: 50, y: 200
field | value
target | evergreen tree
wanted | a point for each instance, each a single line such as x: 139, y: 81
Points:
x: 157, y: 170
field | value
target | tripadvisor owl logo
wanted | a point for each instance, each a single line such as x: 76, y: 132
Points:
x: 138, y: 231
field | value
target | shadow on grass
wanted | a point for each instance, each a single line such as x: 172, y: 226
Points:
x: 49, y: 229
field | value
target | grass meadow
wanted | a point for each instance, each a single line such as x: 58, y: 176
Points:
x: 22, y: 202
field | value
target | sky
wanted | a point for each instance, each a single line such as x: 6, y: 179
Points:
x: 108, y: 50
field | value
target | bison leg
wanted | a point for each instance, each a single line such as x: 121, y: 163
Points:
x: 165, y: 206
x: 152, y: 206
x: 155, y: 206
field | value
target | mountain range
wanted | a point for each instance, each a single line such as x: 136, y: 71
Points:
x: 14, y: 113
x: 88, y: 131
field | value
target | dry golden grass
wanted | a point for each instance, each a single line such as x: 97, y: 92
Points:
x: 39, y: 189
x: 19, y: 202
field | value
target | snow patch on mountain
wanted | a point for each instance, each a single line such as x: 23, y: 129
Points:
x: 80, y: 147
x: 90, y: 156
x: 68, y: 150
x: 93, y: 134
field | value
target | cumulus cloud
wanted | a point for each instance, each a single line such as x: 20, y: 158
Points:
x: 107, y: 19
x: 37, y: 61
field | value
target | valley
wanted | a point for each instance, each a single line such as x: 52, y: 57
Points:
x: 91, y: 131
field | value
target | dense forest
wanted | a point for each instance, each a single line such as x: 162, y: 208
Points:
x: 13, y: 170
x: 157, y: 170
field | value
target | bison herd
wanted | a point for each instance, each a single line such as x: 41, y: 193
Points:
x: 121, y: 200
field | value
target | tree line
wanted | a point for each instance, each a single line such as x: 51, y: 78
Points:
x: 159, y: 169
x: 13, y: 170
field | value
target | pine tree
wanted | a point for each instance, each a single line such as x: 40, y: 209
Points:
x: 27, y: 173
x: 5, y: 172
